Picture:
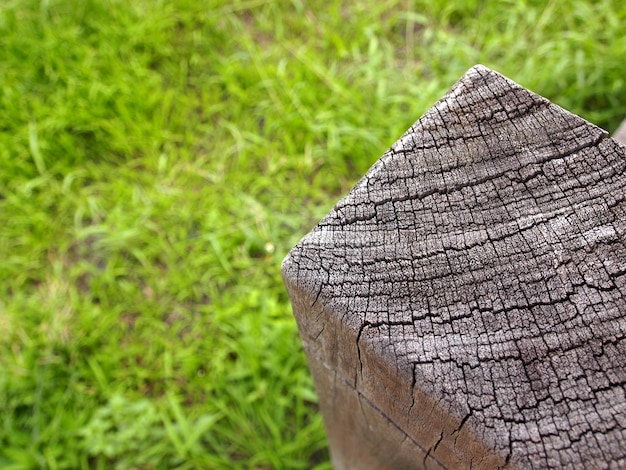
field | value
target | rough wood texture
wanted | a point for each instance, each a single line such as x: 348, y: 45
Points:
x: 464, y: 305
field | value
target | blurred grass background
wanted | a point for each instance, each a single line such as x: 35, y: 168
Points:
x: 157, y: 161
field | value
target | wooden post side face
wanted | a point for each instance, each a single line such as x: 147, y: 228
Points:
x: 463, y: 305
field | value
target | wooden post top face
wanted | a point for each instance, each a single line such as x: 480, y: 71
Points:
x: 482, y: 263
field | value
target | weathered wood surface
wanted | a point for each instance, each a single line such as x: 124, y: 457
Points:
x: 464, y: 305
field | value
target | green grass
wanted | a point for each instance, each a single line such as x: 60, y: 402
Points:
x: 160, y: 158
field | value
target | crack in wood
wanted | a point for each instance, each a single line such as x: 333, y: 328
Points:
x: 475, y: 281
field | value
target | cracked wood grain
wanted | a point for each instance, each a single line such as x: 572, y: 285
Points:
x: 463, y: 306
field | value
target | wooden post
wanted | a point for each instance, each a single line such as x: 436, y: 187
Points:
x: 620, y: 133
x: 464, y: 305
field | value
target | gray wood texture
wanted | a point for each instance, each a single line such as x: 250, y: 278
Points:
x: 464, y: 305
